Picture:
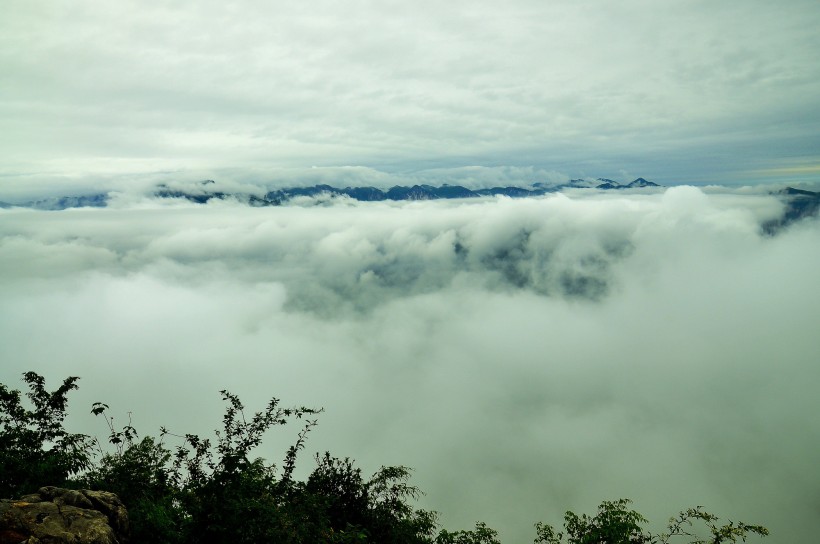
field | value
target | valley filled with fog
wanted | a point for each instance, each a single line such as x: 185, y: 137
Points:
x: 523, y: 356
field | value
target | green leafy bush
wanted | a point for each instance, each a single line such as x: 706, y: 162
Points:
x: 480, y: 535
x: 34, y: 447
x: 220, y: 492
x: 140, y: 475
x: 615, y: 523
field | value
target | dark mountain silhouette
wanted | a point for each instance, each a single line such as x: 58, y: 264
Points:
x: 639, y: 183
x: 206, y: 191
x: 800, y: 204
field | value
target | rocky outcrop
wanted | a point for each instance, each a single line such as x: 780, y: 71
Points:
x: 64, y: 516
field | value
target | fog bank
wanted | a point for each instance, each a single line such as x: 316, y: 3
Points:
x: 523, y: 356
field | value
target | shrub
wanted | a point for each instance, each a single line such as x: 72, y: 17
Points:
x: 35, y: 449
x: 219, y: 492
x: 616, y: 524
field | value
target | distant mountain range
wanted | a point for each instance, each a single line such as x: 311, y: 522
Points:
x: 97, y: 200
x: 799, y: 203
x: 398, y: 192
x: 203, y: 192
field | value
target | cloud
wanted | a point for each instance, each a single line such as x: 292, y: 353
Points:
x: 685, y: 93
x: 524, y: 356
x: 480, y: 177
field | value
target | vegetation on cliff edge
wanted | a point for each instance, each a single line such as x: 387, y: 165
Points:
x: 217, y: 491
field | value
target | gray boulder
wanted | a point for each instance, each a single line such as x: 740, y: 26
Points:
x: 55, y: 515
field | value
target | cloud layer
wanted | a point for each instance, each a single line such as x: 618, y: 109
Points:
x: 524, y: 356
x: 683, y: 92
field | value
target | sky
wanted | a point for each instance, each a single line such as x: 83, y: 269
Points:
x: 97, y: 95
x: 523, y: 356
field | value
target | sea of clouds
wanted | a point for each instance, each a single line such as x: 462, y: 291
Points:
x: 523, y: 356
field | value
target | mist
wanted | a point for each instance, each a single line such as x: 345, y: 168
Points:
x: 524, y: 357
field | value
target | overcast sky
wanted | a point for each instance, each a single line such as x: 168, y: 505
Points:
x: 114, y: 93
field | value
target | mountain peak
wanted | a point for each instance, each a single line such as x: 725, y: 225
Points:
x: 641, y: 182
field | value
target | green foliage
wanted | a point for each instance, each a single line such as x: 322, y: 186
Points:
x: 613, y: 524
x: 377, y: 510
x: 392, y: 518
x: 118, y: 438
x: 342, y: 492
x: 616, y: 524
x: 219, y: 491
x: 34, y: 446
x: 480, y: 535
x: 227, y: 495
x: 139, y: 474
x: 730, y: 532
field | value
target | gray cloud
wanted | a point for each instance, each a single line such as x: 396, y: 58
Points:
x: 679, y: 92
x: 525, y: 356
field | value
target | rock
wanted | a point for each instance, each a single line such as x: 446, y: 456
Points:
x: 113, y: 508
x: 55, y: 515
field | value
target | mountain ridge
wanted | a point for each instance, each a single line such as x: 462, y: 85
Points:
x: 201, y: 194
x: 798, y: 203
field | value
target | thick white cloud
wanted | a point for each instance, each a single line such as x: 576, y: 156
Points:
x: 524, y: 356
